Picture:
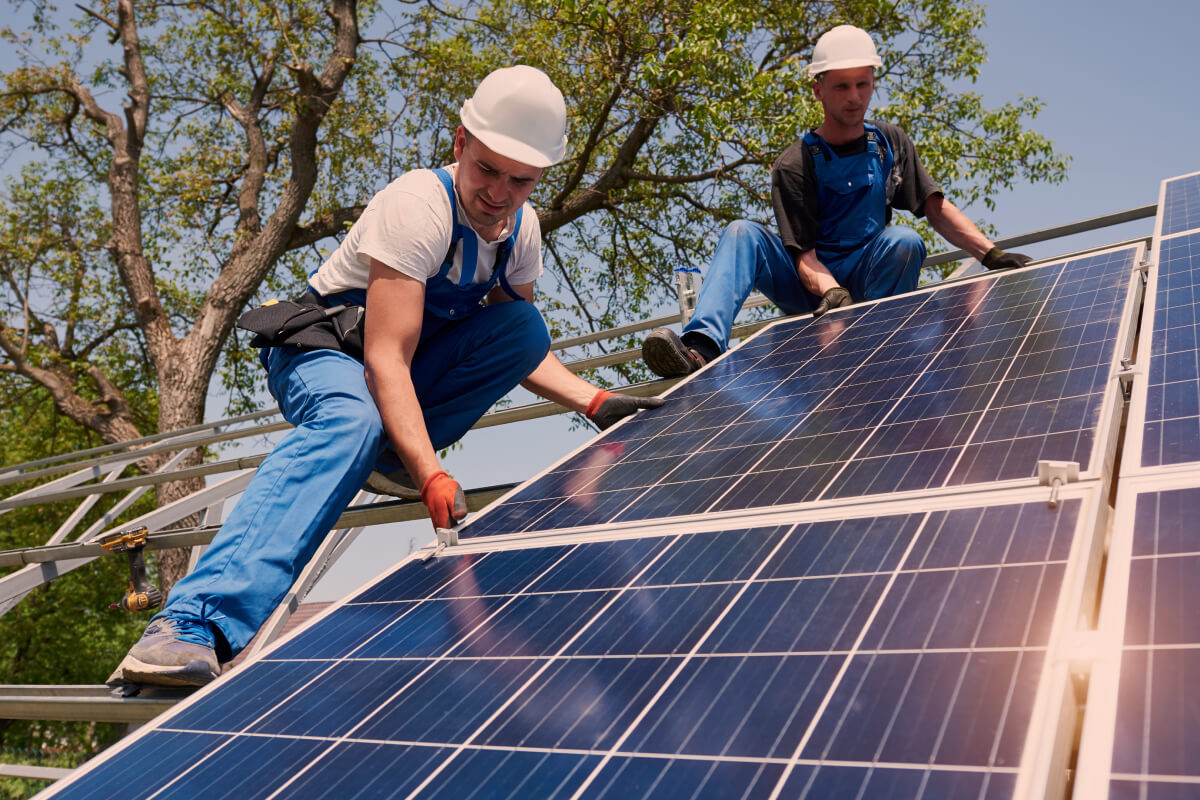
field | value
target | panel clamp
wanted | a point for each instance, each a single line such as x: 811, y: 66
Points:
x: 1125, y: 377
x: 1054, y: 474
x: 446, y: 537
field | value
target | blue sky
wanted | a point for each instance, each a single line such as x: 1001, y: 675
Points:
x: 1118, y: 83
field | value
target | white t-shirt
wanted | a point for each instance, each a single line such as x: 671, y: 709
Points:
x: 407, y: 227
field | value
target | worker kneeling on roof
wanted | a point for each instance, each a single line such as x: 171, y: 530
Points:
x: 833, y: 192
x: 444, y: 262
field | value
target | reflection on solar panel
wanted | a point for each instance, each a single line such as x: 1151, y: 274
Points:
x: 973, y: 383
x: 1180, y: 209
x: 900, y: 653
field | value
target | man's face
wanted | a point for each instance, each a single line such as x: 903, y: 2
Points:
x: 491, y: 187
x: 845, y: 94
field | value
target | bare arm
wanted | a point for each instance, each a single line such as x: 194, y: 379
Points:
x: 955, y: 227
x: 391, y: 338
x: 550, y: 379
x: 815, y: 276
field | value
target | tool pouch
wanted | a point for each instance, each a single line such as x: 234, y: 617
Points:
x: 306, y: 324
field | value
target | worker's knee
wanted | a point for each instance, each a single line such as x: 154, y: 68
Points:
x: 906, y: 245
x: 518, y: 328
x: 355, y: 419
x: 743, y: 233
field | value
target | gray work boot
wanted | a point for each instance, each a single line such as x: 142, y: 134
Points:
x: 172, y: 652
x: 668, y: 357
x: 391, y: 478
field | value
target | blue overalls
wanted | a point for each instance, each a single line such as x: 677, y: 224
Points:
x: 866, y: 256
x: 468, y: 357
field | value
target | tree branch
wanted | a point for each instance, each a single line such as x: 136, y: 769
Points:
x: 326, y: 225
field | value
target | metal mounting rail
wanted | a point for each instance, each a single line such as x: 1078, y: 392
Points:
x: 372, y: 514
x: 1057, y: 232
x: 501, y: 416
x: 82, y: 703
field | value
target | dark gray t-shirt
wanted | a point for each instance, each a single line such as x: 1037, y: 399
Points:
x: 794, y: 185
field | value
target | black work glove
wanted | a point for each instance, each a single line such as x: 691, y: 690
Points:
x: 834, y: 298
x: 607, y: 409
x: 998, y: 259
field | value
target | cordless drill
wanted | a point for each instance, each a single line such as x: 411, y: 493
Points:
x: 142, y: 594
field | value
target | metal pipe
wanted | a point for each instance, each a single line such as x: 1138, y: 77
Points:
x: 83, y: 709
x: 373, y: 514
x: 1057, y: 232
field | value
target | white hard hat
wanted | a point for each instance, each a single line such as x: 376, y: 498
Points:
x: 844, y: 47
x: 520, y: 114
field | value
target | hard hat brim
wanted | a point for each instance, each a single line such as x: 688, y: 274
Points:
x: 845, y: 63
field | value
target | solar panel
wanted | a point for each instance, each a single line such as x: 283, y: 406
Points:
x: 968, y: 384
x: 1168, y: 402
x: 1142, y: 720
x: 1180, y: 206
x: 901, y: 651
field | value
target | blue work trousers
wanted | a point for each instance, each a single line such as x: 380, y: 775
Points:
x: 749, y: 256
x: 459, y: 370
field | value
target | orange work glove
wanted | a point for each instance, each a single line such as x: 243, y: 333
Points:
x: 445, y: 500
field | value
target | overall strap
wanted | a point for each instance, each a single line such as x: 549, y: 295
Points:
x: 874, y: 137
x: 817, y: 146
x: 458, y: 231
x: 502, y: 254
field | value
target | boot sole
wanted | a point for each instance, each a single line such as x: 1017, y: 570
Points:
x: 664, y: 359
x: 379, y: 484
x: 194, y: 673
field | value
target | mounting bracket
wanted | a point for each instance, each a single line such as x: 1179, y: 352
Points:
x: 1054, y: 474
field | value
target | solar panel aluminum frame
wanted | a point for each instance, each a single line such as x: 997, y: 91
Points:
x: 1131, y: 463
x: 1103, y: 649
x: 1100, y: 464
x: 1052, y: 726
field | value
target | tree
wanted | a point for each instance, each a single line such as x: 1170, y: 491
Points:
x: 249, y: 132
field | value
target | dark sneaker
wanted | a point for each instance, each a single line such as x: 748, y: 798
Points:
x: 667, y: 356
x: 391, y: 478
x: 172, y: 652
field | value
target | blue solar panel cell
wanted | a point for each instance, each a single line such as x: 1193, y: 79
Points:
x: 332, y: 703
x: 1181, y: 205
x: 689, y: 716
x: 514, y: 774
x: 1171, y: 434
x: 929, y: 708
x: 171, y: 753
x: 248, y: 688
x: 366, y: 770
x: 680, y: 779
x: 808, y: 783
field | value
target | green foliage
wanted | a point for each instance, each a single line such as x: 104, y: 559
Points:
x: 63, y: 632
